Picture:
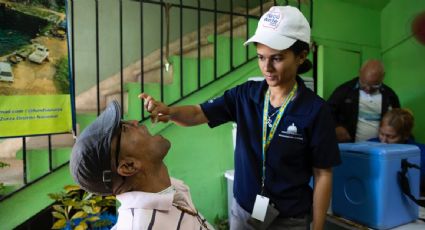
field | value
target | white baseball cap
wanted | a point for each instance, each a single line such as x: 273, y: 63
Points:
x: 280, y: 27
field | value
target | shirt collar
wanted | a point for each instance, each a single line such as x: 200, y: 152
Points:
x: 258, y: 95
x: 146, y: 200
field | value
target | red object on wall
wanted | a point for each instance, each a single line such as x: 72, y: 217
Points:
x: 418, y: 27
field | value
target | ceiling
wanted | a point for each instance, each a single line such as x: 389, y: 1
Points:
x: 371, y: 4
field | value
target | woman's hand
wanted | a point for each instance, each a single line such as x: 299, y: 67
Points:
x: 158, y: 110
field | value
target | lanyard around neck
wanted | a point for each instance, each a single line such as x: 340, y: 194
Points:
x: 268, y: 138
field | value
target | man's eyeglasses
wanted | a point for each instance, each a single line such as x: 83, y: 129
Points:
x: 369, y: 88
x: 118, y: 146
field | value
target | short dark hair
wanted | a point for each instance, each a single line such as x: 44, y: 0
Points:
x: 298, y: 47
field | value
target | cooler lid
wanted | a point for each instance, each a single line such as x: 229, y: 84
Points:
x: 380, y: 149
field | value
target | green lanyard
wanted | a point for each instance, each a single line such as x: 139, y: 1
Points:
x: 268, y: 138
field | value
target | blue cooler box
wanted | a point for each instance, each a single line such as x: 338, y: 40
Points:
x: 365, y: 186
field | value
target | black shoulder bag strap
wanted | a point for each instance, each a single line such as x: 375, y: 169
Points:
x: 404, y: 181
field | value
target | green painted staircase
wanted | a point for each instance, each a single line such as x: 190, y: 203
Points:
x: 210, y: 196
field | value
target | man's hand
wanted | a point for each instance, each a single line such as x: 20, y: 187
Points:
x: 158, y: 110
x: 342, y: 134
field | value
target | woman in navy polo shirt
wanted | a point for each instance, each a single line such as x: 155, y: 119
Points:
x: 285, y: 133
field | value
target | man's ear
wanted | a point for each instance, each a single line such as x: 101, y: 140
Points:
x: 128, y: 166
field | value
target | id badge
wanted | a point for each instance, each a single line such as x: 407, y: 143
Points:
x: 260, y: 207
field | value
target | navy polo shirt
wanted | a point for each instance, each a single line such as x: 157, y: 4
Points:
x: 292, y: 154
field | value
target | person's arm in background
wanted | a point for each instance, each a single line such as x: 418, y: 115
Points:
x: 188, y: 115
x: 321, y: 196
x: 394, y: 100
x: 342, y: 134
x: 334, y: 102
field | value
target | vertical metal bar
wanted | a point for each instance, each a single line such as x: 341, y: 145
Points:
x: 199, y: 44
x: 121, y: 61
x: 162, y: 49
x: 261, y: 7
x: 142, y: 58
x: 287, y: 2
x: 215, y: 39
x: 24, y: 158
x: 74, y: 122
x: 247, y: 30
x: 311, y: 14
x: 315, y: 60
x: 231, y: 35
x: 299, y: 4
x: 181, y: 50
x: 275, y: 3
x: 49, y: 139
x: 97, y: 57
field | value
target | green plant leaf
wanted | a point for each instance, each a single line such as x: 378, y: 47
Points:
x: 69, y: 188
x: 87, y: 209
x: 96, y: 209
x: 80, y: 214
x: 54, y: 196
x: 59, y: 224
x: 101, y: 223
x: 58, y: 215
x: 87, y: 196
x: 81, y: 226
x: 59, y: 208
x: 93, y: 218
x: 71, y: 203
x: 3, y: 164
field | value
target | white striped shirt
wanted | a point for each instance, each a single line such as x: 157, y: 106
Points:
x: 159, y: 211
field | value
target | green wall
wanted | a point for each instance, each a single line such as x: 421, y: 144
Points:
x: 347, y: 35
x: 404, y: 58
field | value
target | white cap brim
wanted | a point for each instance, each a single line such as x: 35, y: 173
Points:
x: 272, y: 40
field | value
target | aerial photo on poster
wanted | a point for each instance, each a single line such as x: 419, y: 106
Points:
x: 34, y: 68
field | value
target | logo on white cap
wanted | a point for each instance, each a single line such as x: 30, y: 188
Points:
x: 272, y: 18
x: 280, y: 27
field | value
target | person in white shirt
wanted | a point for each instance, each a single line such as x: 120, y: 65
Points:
x: 114, y: 157
x: 359, y: 104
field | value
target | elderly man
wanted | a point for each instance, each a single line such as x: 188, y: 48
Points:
x: 359, y: 104
x: 122, y: 158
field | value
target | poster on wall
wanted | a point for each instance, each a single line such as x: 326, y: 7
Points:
x: 34, y: 70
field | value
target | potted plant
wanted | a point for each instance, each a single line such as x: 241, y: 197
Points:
x: 77, y: 209
x: 2, y: 165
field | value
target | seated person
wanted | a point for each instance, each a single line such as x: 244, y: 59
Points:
x: 122, y: 158
x: 396, y: 127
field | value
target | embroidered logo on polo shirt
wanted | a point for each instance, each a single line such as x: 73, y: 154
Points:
x: 291, y: 133
x: 292, y: 129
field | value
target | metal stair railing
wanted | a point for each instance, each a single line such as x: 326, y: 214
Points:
x: 180, y: 6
